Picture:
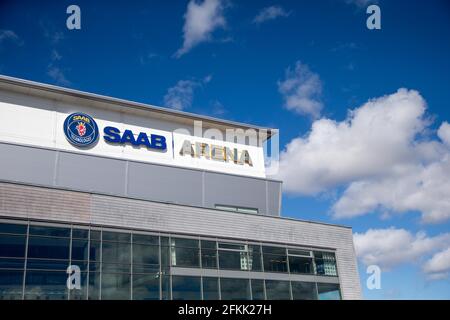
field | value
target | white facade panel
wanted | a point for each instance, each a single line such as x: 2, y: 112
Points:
x: 40, y: 122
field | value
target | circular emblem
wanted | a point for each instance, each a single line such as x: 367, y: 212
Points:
x: 80, y: 129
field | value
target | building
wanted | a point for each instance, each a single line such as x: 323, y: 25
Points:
x: 141, y: 207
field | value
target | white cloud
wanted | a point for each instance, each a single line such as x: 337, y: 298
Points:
x: 201, y: 19
x: 301, y: 90
x: 57, y: 75
x: 380, y: 154
x: 270, y: 13
x: 180, y: 96
x: 392, y: 247
x: 444, y: 132
x: 438, y: 267
x: 10, y: 35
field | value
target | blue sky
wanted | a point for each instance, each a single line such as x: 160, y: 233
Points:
x: 234, y: 67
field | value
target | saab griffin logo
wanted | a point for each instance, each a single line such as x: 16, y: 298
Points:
x: 80, y: 129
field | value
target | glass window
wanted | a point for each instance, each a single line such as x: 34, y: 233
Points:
x: 234, y: 289
x: 94, y: 266
x: 96, y: 235
x: 12, y: 263
x: 165, y: 286
x: 185, y: 253
x: 145, y: 254
x: 209, y: 254
x: 80, y: 294
x: 328, y: 291
x: 116, y: 286
x: 210, y: 288
x: 146, y: 286
x: 48, y: 248
x: 258, y: 289
x: 277, y: 290
x: 50, y: 231
x: 116, y: 236
x: 300, y: 265
x: 116, y: 267
x: 95, y: 250
x: 116, y: 252
x: 275, y: 259
x: 146, y: 239
x: 325, y: 263
x: 45, y: 285
x: 232, y: 260
x: 80, y: 249
x: 13, y: 228
x: 11, y: 284
x: 304, y: 290
x: 254, y: 258
x: 45, y: 264
x: 94, y: 286
x: 186, y: 288
x: 80, y: 233
x: 12, y: 246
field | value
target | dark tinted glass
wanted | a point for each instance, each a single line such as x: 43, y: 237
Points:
x: 304, y: 291
x: 116, y: 286
x: 95, y: 235
x: 232, y: 260
x: 145, y: 254
x: 254, y: 258
x: 116, y: 236
x: 146, y: 286
x: 50, y: 231
x: 208, y: 244
x: 11, y: 284
x: 45, y: 285
x: 185, y: 243
x: 146, y: 239
x: 95, y: 251
x: 94, y: 286
x: 116, y: 252
x: 274, y: 250
x: 12, y: 246
x: 277, y: 290
x: 209, y: 258
x: 275, y: 262
x: 186, y: 257
x: 186, y: 288
x: 234, y: 289
x: 13, y: 228
x: 45, y: 264
x: 12, y: 263
x: 258, y: 289
x: 48, y: 248
x: 328, y: 291
x: 80, y: 249
x: 300, y: 265
x: 80, y: 233
x: 210, y: 288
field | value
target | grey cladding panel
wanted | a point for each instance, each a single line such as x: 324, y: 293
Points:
x: 273, y: 198
x: 24, y: 164
x: 234, y: 190
x: 142, y: 180
x: 91, y: 173
x: 165, y: 183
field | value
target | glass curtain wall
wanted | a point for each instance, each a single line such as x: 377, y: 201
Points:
x: 132, y: 265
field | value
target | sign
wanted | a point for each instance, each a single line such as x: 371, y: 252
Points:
x: 81, y: 129
x: 153, y: 141
x: 216, y: 152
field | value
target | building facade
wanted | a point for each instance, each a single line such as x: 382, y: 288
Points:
x: 102, y: 198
